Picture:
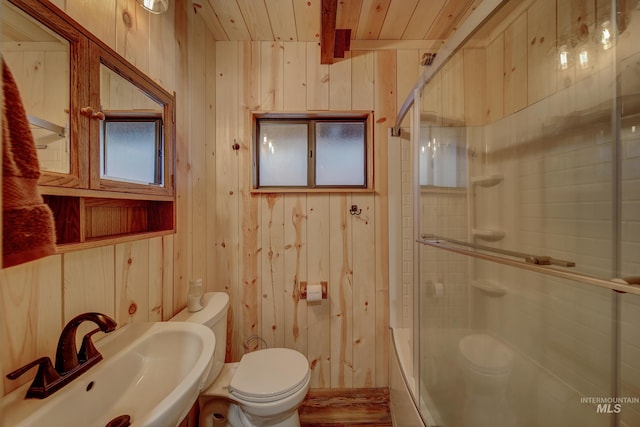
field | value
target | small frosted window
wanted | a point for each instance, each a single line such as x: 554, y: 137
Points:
x: 131, y: 151
x: 340, y: 154
x: 442, y: 157
x: 283, y: 152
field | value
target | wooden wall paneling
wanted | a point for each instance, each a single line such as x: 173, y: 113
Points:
x: 515, y: 65
x: 56, y: 64
x: 166, y: 268
x: 162, y: 51
x: 432, y: 96
x: 257, y: 19
x: 318, y: 268
x: 339, y: 268
x: 397, y: 18
x: 542, y: 54
x: 340, y: 290
x: 98, y: 17
x: 495, y: 80
x: 575, y: 21
x: 295, y: 270
x: 475, y: 89
x: 346, y: 15
x: 295, y: 74
x: 372, y: 14
x: 272, y: 272
x: 250, y: 248
x: 453, y: 101
x: 205, y: 10
x: 385, y: 105
x: 198, y: 190
x: 210, y: 155
x: 89, y: 285
x: 317, y: 79
x: 271, y: 76
x: 31, y: 314
x: 447, y: 19
x: 282, y: 19
x: 230, y: 17
x: 132, y: 282
x: 227, y: 190
x: 307, y: 22
x: 362, y: 83
x: 417, y: 28
x: 132, y: 33
x: 33, y: 82
x: 156, y: 279
x: 340, y: 84
x: 181, y: 262
x: 365, y: 328
x: 408, y: 66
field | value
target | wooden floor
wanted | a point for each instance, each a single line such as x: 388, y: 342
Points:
x: 346, y: 407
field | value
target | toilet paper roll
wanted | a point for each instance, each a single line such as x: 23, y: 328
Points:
x: 214, y: 413
x: 314, y: 292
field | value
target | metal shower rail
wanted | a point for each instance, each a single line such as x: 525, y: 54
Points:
x: 625, y: 285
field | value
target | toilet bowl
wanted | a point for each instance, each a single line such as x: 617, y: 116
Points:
x: 264, y: 389
x: 486, y: 365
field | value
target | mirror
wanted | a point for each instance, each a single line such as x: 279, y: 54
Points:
x: 131, y: 133
x: 39, y: 61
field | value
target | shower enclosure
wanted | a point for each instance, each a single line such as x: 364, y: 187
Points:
x: 518, y: 289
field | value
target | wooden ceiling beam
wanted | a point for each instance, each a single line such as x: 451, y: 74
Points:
x: 328, y: 30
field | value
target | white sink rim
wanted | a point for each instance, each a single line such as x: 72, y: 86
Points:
x: 20, y: 412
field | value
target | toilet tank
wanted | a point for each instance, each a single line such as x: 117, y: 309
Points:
x: 214, y: 316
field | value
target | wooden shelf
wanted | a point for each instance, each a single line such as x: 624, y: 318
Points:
x: 85, y: 219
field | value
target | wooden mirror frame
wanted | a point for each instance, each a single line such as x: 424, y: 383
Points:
x: 87, y: 52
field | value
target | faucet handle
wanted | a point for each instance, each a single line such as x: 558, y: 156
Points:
x: 44, y: 378
x: 88, y: 350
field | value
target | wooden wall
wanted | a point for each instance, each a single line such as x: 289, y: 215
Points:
x: 257, y: 248
x: 266, y: 244
x: 147, y: 277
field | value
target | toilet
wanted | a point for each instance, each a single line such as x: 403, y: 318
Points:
x: 486, y: 365
x: 264, y: 389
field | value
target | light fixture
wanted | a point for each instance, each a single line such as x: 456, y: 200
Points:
x: 563, y: 58
x: 154, y: 6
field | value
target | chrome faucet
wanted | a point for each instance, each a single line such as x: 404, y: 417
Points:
x: 69, y: 362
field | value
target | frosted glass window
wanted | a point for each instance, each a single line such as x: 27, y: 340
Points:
x: 294, y: 150
x: 131, y: 151
x: 442, y: 157
x: 283, y: 151
x: 340, y: 154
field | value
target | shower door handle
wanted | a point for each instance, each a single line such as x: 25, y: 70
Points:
x: 631, y: 280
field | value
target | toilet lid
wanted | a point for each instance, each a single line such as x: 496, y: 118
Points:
x: 485, y: 353
x: 270, y: 374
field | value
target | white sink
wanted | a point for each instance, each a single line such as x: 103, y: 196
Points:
x: 152, y: 372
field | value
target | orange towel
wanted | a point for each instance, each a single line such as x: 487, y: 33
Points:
x: 28, y: 230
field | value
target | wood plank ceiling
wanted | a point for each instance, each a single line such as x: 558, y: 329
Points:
x: 299, y: 20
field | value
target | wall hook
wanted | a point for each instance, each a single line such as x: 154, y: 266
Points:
x: 354, y: 210
x: 235, y: 145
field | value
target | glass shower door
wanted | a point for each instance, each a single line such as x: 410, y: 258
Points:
x: 528, y: 204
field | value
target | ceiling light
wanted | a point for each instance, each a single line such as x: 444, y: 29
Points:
x: 154, y: 6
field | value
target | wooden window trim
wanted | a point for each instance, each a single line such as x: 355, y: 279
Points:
x: 368, y: 118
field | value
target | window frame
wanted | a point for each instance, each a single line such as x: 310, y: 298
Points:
x: 135, y: 117
x: 310, y: 118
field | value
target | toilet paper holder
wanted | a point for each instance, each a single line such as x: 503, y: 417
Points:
x: 303, y: 290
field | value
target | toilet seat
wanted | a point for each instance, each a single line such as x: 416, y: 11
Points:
x: 485, y: 354
x: 269, y: 375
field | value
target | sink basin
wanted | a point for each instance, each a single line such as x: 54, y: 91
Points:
x: 152, y: 372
